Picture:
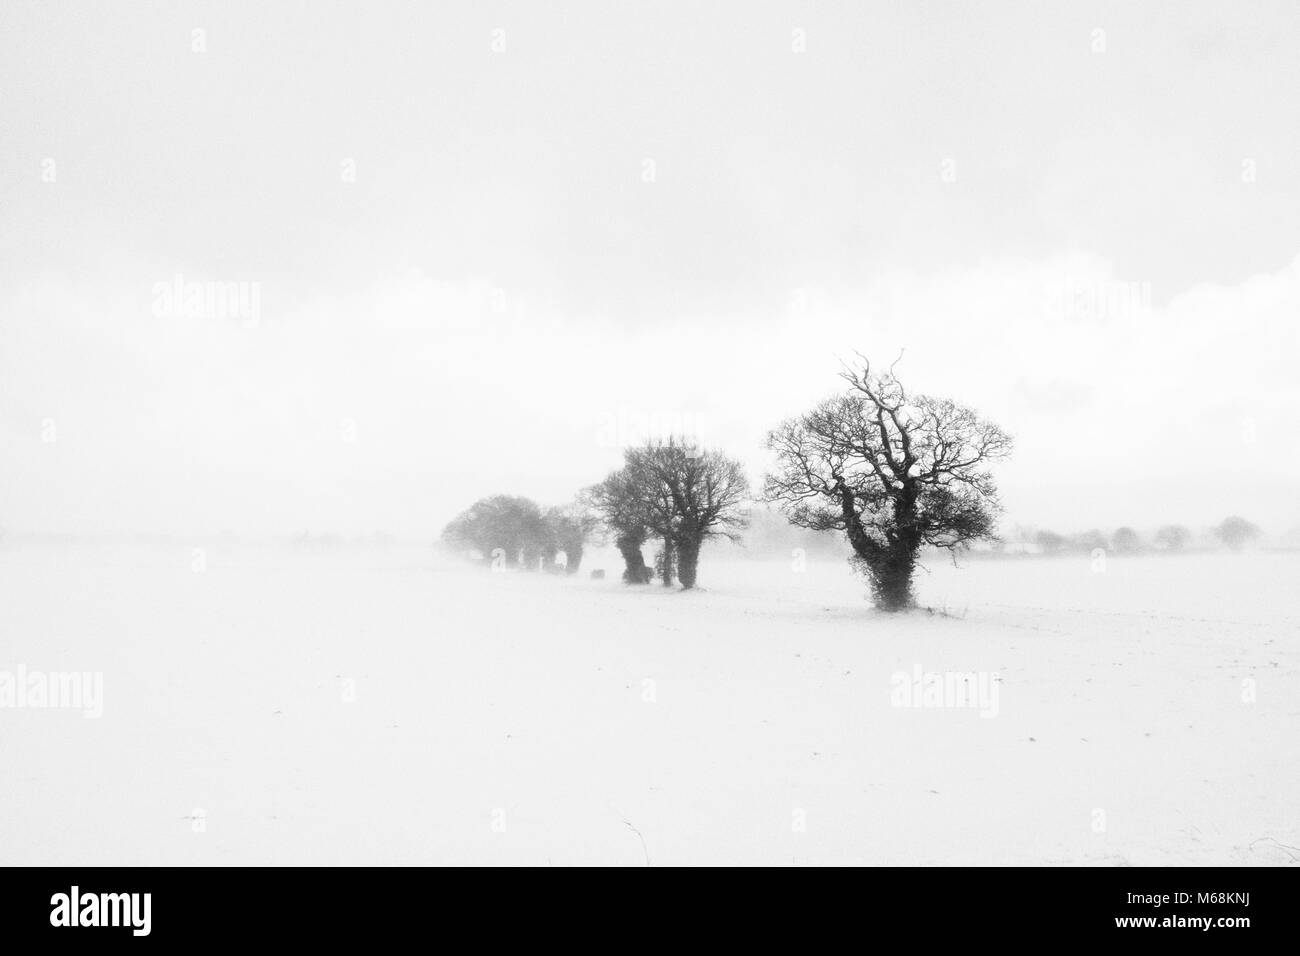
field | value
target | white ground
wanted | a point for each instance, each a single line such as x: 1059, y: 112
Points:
x: 504, y: 719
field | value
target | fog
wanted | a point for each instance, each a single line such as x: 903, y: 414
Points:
x: 480, y: 250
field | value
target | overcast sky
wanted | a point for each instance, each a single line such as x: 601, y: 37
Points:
x: 489, y: 243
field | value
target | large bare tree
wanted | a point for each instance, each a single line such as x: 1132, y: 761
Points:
x: 893, y: 471
x: 624, y: 515
x: 641, y: 473
x: 690, y: 494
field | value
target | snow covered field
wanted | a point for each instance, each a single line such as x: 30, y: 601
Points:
x: 384, y: 706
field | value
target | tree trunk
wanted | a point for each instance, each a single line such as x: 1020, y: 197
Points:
x: 572, y: 559
x: 666, y: 567
x: 688, y: 562
x: 898, y: 561
x: 635, y: 570
x: 888, y: 566
x: 891, y: 578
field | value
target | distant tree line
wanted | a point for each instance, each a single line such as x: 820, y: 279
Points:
x: 515, y: 532
x: 1233, y: 532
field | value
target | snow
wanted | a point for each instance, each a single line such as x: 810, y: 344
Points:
x: 390, y: 706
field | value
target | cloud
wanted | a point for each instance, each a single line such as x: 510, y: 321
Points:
x: 394, y: 408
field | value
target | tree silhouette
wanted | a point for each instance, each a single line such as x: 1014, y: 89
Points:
x: 1126, y: 541
x: 893, y: 472
x: 1173, y: 537
x: 1049, y: 542
x: 510, y: 523
x: 569, y: 527
x: 1236, y: 532
x: 690, y: 494
x: 620, y: 507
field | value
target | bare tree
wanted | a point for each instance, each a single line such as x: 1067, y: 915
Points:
x: 1049, y: 542
x: 1087, y: 541
x: 1126, y: 541
x: 893, y: 472
x: 624, y: 515
x: 1236, y: 532
x: 540, y: 547
x: 570, y: 526
x: 690, y: 494
x: 643, y: 470
x: 1173, y: 537
x: 507, y: 523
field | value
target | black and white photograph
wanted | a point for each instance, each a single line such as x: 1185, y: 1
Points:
x: 787, y: 433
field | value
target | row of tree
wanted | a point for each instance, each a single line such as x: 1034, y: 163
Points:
x: 894, y: 472
x: 1235, y: 532
x: 669, y: 492
x: 515, y: 532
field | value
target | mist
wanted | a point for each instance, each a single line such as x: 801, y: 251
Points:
x: 493, y: 287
